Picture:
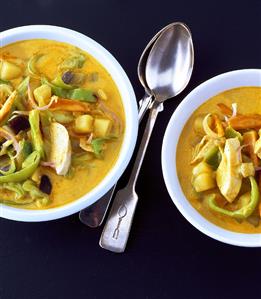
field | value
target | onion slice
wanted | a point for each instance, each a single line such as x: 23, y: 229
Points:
x: 47, y: 164
x: 17, y: 112
x: 239, y: 149
x: 10, y: 136
x: 234, y: 109
x: 207, y: 129
x: 54, y: 99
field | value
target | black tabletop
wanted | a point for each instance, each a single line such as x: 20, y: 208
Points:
x: 166, y: 257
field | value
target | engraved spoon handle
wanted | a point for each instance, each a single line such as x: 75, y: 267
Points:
x: 117, y: 227
x: 94, y: 215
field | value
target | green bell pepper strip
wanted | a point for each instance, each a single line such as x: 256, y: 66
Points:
x: 31, y: 65
x: 98, y: 146
x: 30, y: 186
x: 28, y: 168
x: 58, y: 81
x: 80, y: 94
x: 74, y: 61
x: 21, y: 89
x: 37, y: 140
x: 83, y: 95
x: 16, y: 188
x: 56, y: 90
x: 4, y: 81
x: 244, y: 211
x: 41, y: 199
x: 213, y: 157
x: 231, y: 133
x: 26, y: 149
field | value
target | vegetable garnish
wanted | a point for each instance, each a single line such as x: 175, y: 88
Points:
x: 54, y: 127
x: 226, y: 154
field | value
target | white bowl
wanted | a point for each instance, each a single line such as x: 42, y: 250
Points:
x: 247, y: 77
x: 129, y: 101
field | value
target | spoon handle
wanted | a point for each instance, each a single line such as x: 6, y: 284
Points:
x: 94, y: 215
x: 117, y: 227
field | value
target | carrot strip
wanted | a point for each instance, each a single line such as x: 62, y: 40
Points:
x: 70, y: 105
x: 218, y: 126
x: 249, y: 140
x: 224, y: 109
x: 6, y: 108
x: 241, y: 122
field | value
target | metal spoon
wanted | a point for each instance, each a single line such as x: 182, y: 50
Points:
x: 94, y: 215
x: 168, y: 71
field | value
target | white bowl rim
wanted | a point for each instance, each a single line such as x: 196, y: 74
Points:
x: 209, y: 88
x: 131, y: 115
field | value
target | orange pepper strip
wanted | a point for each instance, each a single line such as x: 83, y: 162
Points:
x: 218, y: 126
x: 224, y: 109
x: 249, y: 139
x: 7, y: 105
x: 241, y: 122
x: 69, y: 105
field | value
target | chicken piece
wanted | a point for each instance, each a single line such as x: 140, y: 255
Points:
x: 228, y: 176
x: 60, y: 148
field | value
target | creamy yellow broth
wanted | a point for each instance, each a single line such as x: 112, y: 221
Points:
x: 65, y: 189
x: 249, y: 101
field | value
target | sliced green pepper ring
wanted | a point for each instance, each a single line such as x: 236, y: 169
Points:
x: 243, y: 212
x: 29, y: 166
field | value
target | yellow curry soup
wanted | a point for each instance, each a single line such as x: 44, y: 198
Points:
x: 61, y: 123
x: 219, y: 150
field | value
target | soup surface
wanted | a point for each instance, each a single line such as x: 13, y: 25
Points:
x: 61, y: 123
x: 218, y: 159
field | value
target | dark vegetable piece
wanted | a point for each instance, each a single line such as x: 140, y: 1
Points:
x: 58, y: 82
x: 67, y: 77
x: 19, y: 123
x: 45, y: 184
x: 74, y: 79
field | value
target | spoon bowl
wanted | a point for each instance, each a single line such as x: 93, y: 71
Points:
x: 144, y: 56
x: 170, y: 63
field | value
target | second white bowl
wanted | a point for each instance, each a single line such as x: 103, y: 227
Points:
x: 206, y: 90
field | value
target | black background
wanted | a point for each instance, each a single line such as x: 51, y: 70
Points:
x: 166, y: 257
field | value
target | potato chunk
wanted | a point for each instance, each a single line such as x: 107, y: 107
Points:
x: 9, y: 70
x: 203, y: 182
x: 84, y: 124
x: 43, y: 94
x: 102, y: 127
